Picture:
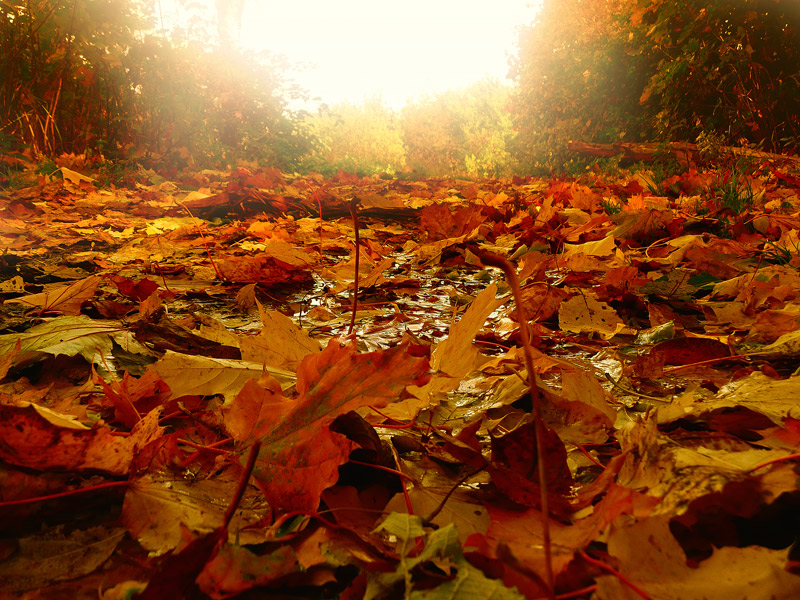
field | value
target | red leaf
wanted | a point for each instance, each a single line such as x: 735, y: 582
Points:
x: 300, y: 455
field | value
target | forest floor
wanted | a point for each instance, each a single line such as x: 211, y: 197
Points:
x: 188, y: 399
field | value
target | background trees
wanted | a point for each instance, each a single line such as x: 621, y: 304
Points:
x: 609, y: 70
x: 364, y: 139
x: 103, y: 77
x: 107, y: 78
x: 466, y: 132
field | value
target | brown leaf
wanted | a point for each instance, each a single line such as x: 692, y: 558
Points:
x: 235, y: 569
x: 649, y: 557
x: 64, y: 299
x: 52, y: 555
x: 514, y: 467
x: 300, y: 455
x: 34, y: 437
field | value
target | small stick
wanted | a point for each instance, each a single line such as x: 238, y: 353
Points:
x: 510, y: 271
x: 608, y: 568
x: 354, y: 214
x: 240, y: 488
x: 435, y: 512
x: 319, y: 206
x: 203, y: 239
x: 99, y: 486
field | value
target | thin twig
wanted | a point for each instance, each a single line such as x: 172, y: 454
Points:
x: 243, y: 481
x: 435, y: 512
x: 510, y: 271
x: 616, y: 383
x: 202, y: 239
x: 354, y: 214
x: 319, y: 207
x: 608, y: 568
x: 772, y: 461
x: 99, y: 486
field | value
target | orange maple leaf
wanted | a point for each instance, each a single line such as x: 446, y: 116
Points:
x: 300, y: 455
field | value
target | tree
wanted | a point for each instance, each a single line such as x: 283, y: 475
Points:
x: 100, y: 77
x: 467, y: 132
x: 727, y: 68
x: 609, y: 70
x: 363, y: 139
x: 576, y: 80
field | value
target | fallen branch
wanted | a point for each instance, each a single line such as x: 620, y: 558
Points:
x: 685, y: 153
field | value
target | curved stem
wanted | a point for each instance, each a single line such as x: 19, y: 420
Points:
x: 510, y: 271
x: 354, y: 214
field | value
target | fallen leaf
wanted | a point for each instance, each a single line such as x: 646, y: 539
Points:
x: 280, y: 344
x: 650, y: 558
x: 54, y: 555
x: 36, y: 438
x: 583, y: 313
x: 64, y: 299
x: 160, y: 507
x: 300, y: 456
x: 189, y: 375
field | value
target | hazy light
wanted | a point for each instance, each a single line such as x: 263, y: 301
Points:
x: 399, y: 50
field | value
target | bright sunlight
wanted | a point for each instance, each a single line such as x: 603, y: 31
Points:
x: 401, y: 51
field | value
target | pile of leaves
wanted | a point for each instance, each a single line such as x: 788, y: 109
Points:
x: 190, y: 406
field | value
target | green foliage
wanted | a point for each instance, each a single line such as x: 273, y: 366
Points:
x: 96, y: 76
x: 46, y: 167
x: 732, y: 189
x: 611, y: 206
x: 778, y: 254
x: 466, y: 132
x: 365, y: 140
x: 659, y: 171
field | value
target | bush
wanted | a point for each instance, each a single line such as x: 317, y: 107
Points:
x: 94, y: 76
x: 365, y: 140
x: 611, y: 70
x: 465, y: 132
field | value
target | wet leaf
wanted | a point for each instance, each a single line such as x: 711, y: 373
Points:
x: 64, y: 299
x: 54, y: 555
x: 35, y: 437
x: 651, y: 559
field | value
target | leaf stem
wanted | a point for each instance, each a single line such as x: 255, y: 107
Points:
x: 608, y: 568
x: 242, y: 486
x: 99, y: 486
x: 354, y: 213
x: 493, y: 260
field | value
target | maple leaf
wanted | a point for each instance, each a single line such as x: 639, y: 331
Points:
x: 300, y: 454
x: 65, y: 299
x: 651, y: 558
x: 513, y: 467
x: 35, y: 437
x: 281, y: 343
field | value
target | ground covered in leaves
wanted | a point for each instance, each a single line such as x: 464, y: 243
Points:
x: 160, y: 342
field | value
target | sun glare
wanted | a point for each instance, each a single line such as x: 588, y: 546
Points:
x: 356, y: 49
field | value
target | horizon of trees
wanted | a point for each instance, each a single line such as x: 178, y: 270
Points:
x: 103, y: 78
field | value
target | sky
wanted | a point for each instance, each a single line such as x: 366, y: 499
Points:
x: 400, y: 50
